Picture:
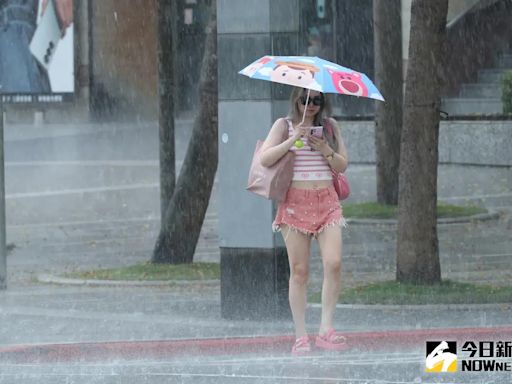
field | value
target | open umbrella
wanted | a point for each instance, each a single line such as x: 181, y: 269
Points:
x: 312, y: 73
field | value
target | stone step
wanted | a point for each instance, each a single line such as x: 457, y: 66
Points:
x: 481, y: 90
x: 494, y: 75
x: 457, y: 106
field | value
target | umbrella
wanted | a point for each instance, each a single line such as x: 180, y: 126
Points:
x: 312, y: 73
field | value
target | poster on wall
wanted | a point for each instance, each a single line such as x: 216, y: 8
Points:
x: 36, y: 51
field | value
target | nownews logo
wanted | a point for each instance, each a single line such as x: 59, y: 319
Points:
x: 441, y: 356
x: 486, y: 353
x: 484, y: 356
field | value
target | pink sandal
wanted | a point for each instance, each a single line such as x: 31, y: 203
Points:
x: 301, y: 346
x: 331, y: 341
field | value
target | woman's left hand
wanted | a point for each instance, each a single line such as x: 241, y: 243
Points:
x: 319, y: 144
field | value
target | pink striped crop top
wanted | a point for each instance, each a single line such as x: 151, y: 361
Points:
x: 309, y: 164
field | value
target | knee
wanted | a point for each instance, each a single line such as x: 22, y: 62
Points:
x: 299, y: 274
x: 332, y: 266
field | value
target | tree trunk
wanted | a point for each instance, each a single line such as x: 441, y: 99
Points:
x: 389, y: 80
x: 167, y: 26
x: 417, y: 245
x: 184, y: 216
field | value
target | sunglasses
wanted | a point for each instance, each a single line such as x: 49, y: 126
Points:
x: 317, y: 100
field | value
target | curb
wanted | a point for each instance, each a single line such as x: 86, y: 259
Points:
x: 50, y: 279
x: 443, y: 221
x: 278, y: 344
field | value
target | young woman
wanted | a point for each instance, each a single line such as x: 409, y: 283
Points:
x: 311, y: 209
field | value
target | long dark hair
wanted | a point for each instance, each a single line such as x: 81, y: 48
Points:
x: 324, y: 113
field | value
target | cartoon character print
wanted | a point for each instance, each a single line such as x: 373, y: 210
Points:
x: 253, y: 68
x: 294, y: 73
x: 349, y: 83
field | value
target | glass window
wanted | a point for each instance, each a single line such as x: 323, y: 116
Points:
x: 317, y: 28
x: 341, y: 31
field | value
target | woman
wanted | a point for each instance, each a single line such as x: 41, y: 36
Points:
x: 19, y: 70
x: 311, y: 209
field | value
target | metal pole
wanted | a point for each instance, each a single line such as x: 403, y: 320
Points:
x: 3, y: 251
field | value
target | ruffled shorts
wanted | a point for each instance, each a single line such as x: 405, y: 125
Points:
x: 309, y: 211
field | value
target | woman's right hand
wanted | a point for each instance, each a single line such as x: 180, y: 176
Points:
x: 298, y: 132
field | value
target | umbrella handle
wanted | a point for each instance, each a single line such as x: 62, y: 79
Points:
x: 305, y: 107
x: 299, y: 143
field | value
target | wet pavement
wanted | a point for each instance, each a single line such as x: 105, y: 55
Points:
x: 64, y: 314
x: 386, y: 368
x: 117, y: 180
x: 406, y: 365
x: 97, y: 334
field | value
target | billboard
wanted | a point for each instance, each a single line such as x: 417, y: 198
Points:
x: 36, y: 51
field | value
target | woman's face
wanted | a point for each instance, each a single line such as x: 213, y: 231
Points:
x: 315, y: 102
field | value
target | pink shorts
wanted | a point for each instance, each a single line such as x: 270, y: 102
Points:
x: 309, y: 211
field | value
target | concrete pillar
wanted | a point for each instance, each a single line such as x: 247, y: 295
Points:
x: 254, y: 264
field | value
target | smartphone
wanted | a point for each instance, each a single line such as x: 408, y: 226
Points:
x: 46, y: 36
x: 317, y: 131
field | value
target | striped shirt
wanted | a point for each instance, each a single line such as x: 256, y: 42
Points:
x: 309, y: 164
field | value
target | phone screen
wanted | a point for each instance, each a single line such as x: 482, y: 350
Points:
x: 317, y: 131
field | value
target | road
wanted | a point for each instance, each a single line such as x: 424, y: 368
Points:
x: 90, y: 191
x: 85, y: 197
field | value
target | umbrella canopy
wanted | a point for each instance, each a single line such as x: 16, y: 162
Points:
x: 312, y: 73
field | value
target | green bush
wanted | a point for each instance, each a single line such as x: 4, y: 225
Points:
x: 447, y: 292
x: 373, y: 210
x: 148, y: 271
x: 507, y: 93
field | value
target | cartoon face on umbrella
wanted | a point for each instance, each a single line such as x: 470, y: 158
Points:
x: 295, y: 73
x: 348, y: 83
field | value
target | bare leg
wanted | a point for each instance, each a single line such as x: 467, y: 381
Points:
x: 330, y: 244
x: 297, y: 246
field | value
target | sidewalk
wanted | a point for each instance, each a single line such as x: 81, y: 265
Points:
x: 47, y: 328
x: 133, y: 335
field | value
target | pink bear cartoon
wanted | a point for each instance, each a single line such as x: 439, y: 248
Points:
x: 348, y: 83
